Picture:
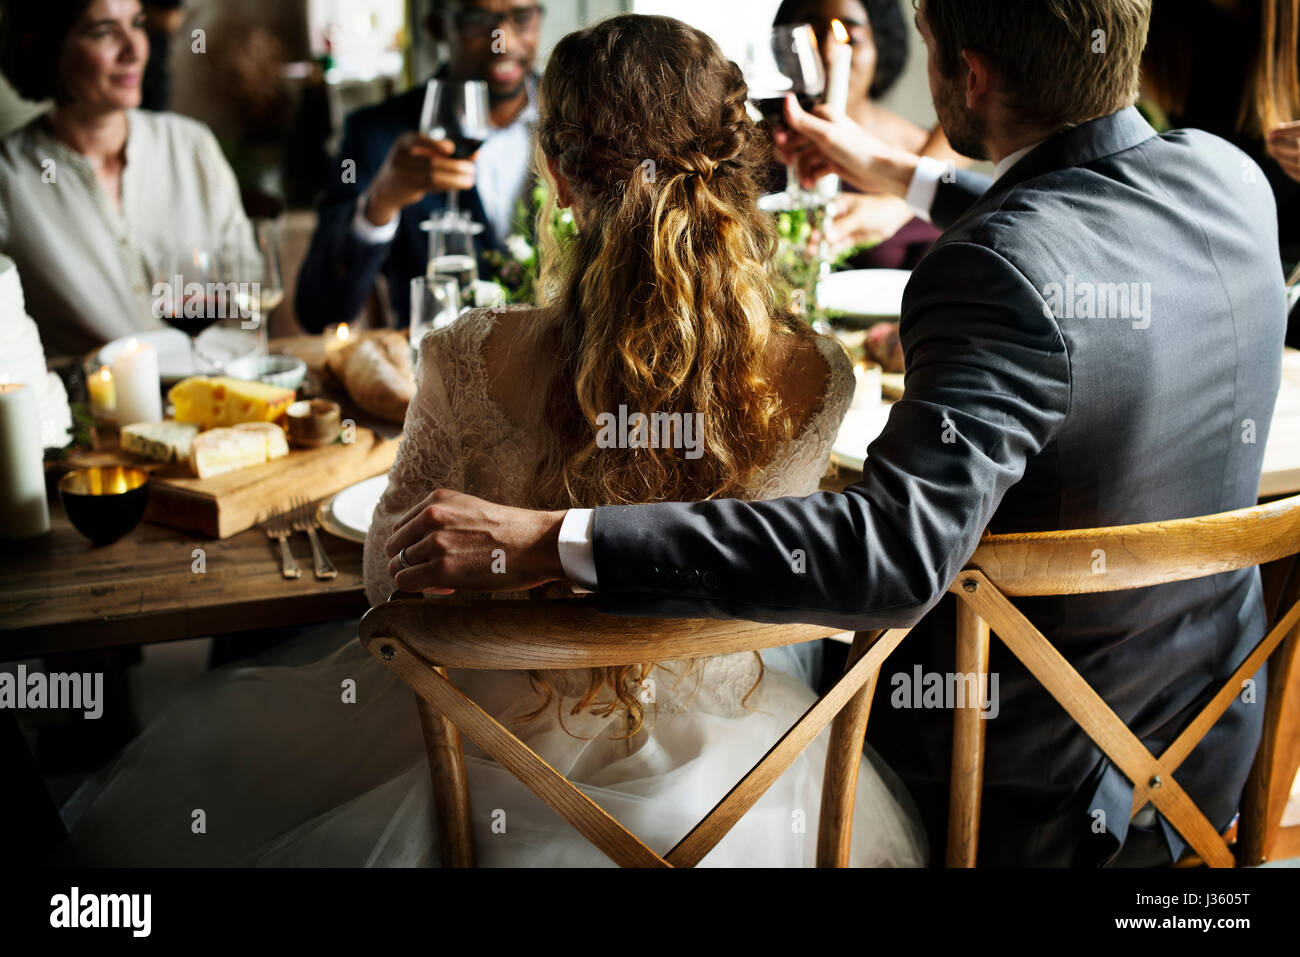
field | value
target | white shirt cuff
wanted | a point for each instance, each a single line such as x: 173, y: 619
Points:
x: 368, y: 232
x: 925, y: 185
x: 577, y: 556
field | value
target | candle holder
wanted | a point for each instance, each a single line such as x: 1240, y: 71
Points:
x: 105, y: 503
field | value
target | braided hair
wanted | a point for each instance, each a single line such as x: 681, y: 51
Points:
x: 664, y: 302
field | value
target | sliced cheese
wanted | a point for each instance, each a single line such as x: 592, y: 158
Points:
x: 277, y: 445
x: 221, y: 451
x: 216, y: 402
x: 161, y: 441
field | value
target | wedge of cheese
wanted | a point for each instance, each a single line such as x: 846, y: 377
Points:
x: 221, y: 451
x: 160, y: 441
x: 215, y: 403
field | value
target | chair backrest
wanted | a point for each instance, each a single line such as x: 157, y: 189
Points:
x: 1089, y: 561
x: 419, y: 639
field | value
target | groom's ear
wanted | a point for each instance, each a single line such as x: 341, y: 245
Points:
x: 977, y: 75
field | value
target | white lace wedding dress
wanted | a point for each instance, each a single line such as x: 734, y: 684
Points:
x: 285, y: 771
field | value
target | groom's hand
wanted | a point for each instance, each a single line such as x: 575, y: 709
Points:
x: 455, y: 542
x: 819, y: 145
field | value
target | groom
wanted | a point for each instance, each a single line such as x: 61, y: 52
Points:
x: 1037, y: 397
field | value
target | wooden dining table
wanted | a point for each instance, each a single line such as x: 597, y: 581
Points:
x: 60, y: 594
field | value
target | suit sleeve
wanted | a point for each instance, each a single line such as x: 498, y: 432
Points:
x: 987, y: 388
x: 340, y: 269
x: 953, y: 199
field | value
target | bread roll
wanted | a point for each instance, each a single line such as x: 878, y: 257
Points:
x: 377, y: 372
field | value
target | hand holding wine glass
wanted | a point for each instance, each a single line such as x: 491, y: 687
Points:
x: 417, y: 165
x: 816, y: 145
x: 786, y: 64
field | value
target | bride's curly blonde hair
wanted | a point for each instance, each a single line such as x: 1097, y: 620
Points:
x: 665, y: 301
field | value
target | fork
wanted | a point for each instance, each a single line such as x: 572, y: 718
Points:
x: 277, y: 527
x: 304, y: 520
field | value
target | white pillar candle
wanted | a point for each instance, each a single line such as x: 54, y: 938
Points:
x: 837, y: 93
x: 24, y: 511
x: 139, y: 390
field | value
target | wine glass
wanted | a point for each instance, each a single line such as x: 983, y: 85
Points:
x: 459, y: 112
x: 194, y: 293
x: 788, y: 61
x: 435, y: 303
x: 261, y: 282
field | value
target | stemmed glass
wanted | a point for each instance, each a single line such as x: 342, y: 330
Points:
x: 196, y: 294
x: 787, y: 62
x: 261, y: 281
x: 460, y: 112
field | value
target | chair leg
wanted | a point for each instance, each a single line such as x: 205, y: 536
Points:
x: 968, y: 741
x: 1269, y: 784
x: 450, y: 786
x: 843, y: 758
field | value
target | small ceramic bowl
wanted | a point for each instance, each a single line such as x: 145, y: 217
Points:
x: 283, y: 371
x: 105, y: 503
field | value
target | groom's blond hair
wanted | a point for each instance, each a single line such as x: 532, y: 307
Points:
x: 1060, y: 62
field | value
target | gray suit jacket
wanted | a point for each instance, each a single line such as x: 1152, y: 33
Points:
x: 1095, y: 341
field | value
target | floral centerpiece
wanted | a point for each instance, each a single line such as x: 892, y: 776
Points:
x: 518, y: 270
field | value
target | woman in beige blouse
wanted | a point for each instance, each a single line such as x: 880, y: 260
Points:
x: 98, y: 198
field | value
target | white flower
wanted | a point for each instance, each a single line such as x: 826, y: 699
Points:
x: 518, y: 247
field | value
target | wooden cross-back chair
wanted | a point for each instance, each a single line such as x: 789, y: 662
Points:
x: 419, y: 639
x: 1139, y: 556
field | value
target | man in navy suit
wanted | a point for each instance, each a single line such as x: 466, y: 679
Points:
x: 391, y: 178
x: 1095, y: 340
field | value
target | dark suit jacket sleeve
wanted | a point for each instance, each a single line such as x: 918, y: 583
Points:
x: 340, y: 269
x: 987, y: 387
x: 953, y: 199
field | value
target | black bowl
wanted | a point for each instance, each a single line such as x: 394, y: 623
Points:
x: 105, y: 503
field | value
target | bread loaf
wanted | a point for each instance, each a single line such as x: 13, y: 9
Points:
x: 376, y: 370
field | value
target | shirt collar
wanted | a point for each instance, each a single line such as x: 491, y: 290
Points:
x: 1007, y: 162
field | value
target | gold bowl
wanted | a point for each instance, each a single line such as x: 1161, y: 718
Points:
x: 105, y: 503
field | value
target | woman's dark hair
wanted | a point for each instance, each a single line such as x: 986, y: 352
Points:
x: 31, y: 40
x: 887, y: 25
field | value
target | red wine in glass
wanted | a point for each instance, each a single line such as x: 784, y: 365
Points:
x: 193, y: 317
x: 465, y: 146
x: 773, y: 107
x: 789, y: 62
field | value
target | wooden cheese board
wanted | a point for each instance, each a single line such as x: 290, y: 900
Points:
x: 226, y: 505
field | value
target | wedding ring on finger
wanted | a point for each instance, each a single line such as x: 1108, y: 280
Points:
x: 401, y: 557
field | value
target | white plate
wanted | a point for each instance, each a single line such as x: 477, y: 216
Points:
x: 861, y: 427
x: 175, y: 362
x: 864, y: 293
x: 351, y: 509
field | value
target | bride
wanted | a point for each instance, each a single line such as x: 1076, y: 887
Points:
x: 663, y: 304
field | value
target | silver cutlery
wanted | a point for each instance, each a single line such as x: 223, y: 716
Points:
x: 277, y: 527
x: 304, y: 520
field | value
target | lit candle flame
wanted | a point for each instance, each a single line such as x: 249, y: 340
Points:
x: 841, y: 34
x: 343, y: 332
x: 132, y: 345
x: 105, y: 374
